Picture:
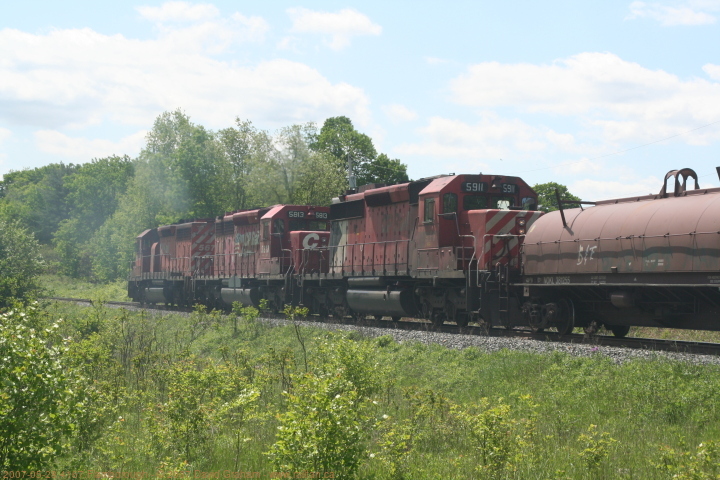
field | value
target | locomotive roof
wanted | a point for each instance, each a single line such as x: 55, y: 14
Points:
x: 399, y: 192
x: 275, y: 209
x: 437, y: 185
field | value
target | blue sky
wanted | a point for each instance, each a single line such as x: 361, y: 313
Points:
x: 604, y: 97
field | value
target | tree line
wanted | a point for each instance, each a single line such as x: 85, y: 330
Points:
x: 86, y: 216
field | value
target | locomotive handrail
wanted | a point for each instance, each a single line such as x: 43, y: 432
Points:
x: 464, y: 247
x: 305, y: 258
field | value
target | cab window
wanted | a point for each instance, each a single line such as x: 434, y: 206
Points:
x: 429, y: 210
x: 266, y: 230
x: 279, y: 226
x: 529, y: 203
x: 450, y: 203
x: 297, y: 224
x: 502, y: 203
x: 474, y: 202
x: 316, y: 225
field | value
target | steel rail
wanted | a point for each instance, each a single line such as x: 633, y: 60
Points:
x: 635, y: 343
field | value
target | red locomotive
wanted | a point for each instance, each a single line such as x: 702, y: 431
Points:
x: 454, y: 248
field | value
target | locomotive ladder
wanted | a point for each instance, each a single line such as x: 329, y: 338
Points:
x: 503, y: 273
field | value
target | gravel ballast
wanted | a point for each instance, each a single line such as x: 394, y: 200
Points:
x: 491, y: 343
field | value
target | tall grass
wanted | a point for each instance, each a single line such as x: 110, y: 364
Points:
x: 61, y: 286
x: 432, y: 412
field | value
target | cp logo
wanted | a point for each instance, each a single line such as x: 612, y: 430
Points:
x: 311, y: 241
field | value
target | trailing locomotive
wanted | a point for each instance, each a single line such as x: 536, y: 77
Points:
x: 454, y: 248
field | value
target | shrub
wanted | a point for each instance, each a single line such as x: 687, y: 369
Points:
x: 20, y: 263
x: 40, y: 395
x: 324, y: 428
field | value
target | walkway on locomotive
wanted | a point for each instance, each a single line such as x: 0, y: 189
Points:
x: 431, y: 227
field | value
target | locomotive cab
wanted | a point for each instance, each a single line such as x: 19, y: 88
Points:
x: 467, y: 218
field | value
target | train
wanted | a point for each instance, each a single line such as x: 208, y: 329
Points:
x: 456, y: 249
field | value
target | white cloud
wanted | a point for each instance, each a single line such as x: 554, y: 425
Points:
x: 179, y: 12
x: 203, y: 28
x: 84, y: 149
x: 713, y: 71
x: 583, y: 166
x: 340, y: 26
x: 288, y: 43
x: 75, y: 78
x: 624, y: 100
x: 399, y: 113
x: 436, y: 61
x: 491, y: 138
x: 593, y: 190
x: 680, y: 13
x: 4, y: 134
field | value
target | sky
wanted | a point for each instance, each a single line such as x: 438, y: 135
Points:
x: 604, y: 97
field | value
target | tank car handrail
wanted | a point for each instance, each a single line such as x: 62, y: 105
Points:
x: 628, y: 237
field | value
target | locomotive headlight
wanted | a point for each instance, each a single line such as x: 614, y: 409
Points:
x: 521, y: 222
x: 521, y: 231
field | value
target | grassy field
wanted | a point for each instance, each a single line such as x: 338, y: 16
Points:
x: 61, y: 286
x: 183, y: 395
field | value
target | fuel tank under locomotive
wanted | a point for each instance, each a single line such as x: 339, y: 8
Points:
x: 394, y: 303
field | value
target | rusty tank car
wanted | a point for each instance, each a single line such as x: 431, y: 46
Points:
x: 643, y: 261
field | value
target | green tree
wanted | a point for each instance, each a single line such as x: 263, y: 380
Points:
x: 286, y: 170
x: 547, y: 201
x: 387, y: 171
x: 319, y: 180
x: 339, y: 138
x: 178, y: 175
x: 20, y: 263
x: 239, y: 147
x: 38, y: 198
x: 183, y: 172
x: 94, y: 194
x: 351, y: 148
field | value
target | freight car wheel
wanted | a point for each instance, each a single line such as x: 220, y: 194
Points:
x: 619, y: 331
x: 396, y: 318
x: 565, y: 317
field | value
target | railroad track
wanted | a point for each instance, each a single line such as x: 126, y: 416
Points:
x: 653, y: 344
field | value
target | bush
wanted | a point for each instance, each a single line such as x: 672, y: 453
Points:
x: 20, y: 263
x: 324, y: 429
x: 39, y: 395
